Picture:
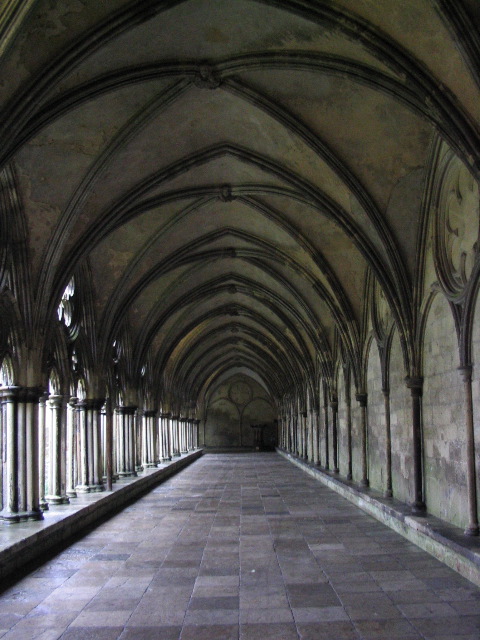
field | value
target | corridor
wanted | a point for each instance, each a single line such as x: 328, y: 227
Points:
x: 241, y: 546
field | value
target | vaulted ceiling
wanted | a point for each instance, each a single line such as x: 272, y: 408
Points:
x: 230, y: 169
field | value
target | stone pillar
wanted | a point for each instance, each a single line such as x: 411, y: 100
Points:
x: 56, y: 476
x: 89, y: 426
x: 126, y: 436
x: 109, y: 462
x: 175, y: 424
x: 149, y: 458
x: 348, y: 401
x: 416, y: 388
x: 41, y: 452
x: 327, y: 448
x: 334, y: 408
x: 167, y: 436
x: 183, y: 435
x: 388, y: 445
x: 472, y: 527
x: 303, y: 422
x: 316, y: 441
x: 71, y: 447
x: 362, y: 400
x: 197, y: 434
x: 21, y: 500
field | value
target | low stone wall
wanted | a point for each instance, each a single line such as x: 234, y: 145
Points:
x: 442, y: 540
x: 24, y: 542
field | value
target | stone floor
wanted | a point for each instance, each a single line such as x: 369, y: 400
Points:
x: 241, y: 546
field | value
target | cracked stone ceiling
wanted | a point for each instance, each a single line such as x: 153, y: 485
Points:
x: 229, y: 170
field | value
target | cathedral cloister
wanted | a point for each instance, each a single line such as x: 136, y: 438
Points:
x: 241, y: 228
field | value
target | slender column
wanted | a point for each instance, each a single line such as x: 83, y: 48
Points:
x: 334, y: 407
x: 388, y: 444
x: 316, y: 446
x: 197, y: 434
x: 83, y: 486
x: 183, y: 435
x: 126, y: 431
x: 175, y: 430
x: 56, y: 476
x: 416, y: 387
x: 71, y: 448
x: 362, y: 400
x: 89, y: 423
x: 303, y: 422
x: 41, y: 452
x: 21, y: 496
x: 348, y: 401
x: 472, y: 528
x: 148, y: 425
x: 137, y: 440
x: 108, y: 446
x: 327, y: 448
x: 168, y: 433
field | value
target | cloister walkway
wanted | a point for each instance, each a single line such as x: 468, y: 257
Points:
x: 241, y: 546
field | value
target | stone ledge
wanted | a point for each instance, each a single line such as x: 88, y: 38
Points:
x: 24, y: 542
x: 442, y: 540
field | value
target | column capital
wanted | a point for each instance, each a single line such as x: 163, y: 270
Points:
x: 466, y: 372
x: 90, y: 404
x: 415, y: 384
x: 55, y: 400
x: 334, y: 404
x: 151, y: 413
x: 126, y: 410
x: 362, y: 398
x: 176, y: 417
x: 21, y: 394
x: 303, y: 414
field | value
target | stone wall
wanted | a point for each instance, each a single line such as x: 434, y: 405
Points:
x: 376, y: 437
x: 443, y: 418
x: 233, y: 406
x: 400, y: 425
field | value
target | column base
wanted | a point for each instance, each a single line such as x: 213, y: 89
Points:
x: 349, y: 476
x: 126, y: 474
x: 43, y: 505
x: 57, y: 499
x: 83, y: 488
x: 472, y: 530
x: 96, y: 488
x: 72, y: 494
x: 388, y: 493
x: 365, y: 482
x: 10, y: 517
x: 150, y: 465
x: 418, y: 508
x: 336, y: 470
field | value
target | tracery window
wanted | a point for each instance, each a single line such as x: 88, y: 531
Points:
x: 66, y: 307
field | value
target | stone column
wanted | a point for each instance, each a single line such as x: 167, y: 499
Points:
x: 303, y: 422
x: 472, y: 527
x: 21, y: 500
x: 89, y: 425
x: 327, y: 448
x: 388, y: 445
x: 362, y: 400
x: 126, y: 436
x: 167, y: 436
x: 316, y: 445
x: 416, y: 388
x: 41, y: 451
x: 348, y: 401
x: 197, y: 434
x: 183, y: 435
x: 174, y: 421
x: 148, y: 431
x: 109, y: 462
x: 71, y: 448
x: 334, y: 408
x: 56, y: 476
